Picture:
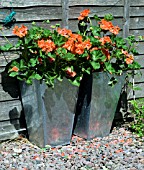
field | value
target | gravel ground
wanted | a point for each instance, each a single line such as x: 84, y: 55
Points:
x: 121, y: 150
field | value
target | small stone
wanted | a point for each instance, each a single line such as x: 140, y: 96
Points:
x: 17, y: 150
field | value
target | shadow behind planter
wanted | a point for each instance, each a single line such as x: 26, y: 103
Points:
x: 49, y: 113
x: 97, y: 103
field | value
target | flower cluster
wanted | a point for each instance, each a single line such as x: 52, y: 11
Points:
x: 108, y: 26
x: 108, y: 52
x: 84, y: 14
x: 49, y: 54
x: 47, y: 45
x: 21, y: 32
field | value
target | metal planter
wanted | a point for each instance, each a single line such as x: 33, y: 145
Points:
x: 49, y: 113
x: 96, y: 105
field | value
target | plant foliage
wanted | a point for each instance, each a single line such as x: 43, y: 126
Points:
x: 49, y: 54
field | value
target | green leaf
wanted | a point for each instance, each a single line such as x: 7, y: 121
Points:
x: 88, y: 70
x: 29, y: 81
x: 95, y: 65
x: 13, y: 74
x: 109, y: 67
x: 33, y: 62
x: 68, y: 57
x: 33, y: 23
x: 22, y: 64
x: 47, y: 21
x: 134, y: 65
x: 96, y: 30
x: 96, y: 17
x: 108, y: 17
x: 6, y: 47
x: 61, y: 51
x: 96, y: 55
x: 75, y: 82
x: 38, y: 77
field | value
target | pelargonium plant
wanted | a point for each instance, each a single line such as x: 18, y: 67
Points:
x: 109, y: 52
x: 49, y: 54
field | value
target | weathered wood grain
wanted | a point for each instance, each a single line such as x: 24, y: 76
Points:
x: 137, y: 11
x: 10, y: 125
x: 35, y: 13
x: 138, y: 93
x: 12, y: 40
x: 95, y: 2
x: 126, y: 16
x: 140, y: 59
x: 6, y: 57
x: 140, y: 47
x: 74, y: 12
x: 65, y: 13
x: 137, y: 2
x: 26, y: 3
x: 11, y: 134
x: 138, y: 76
x: 10, y: 110
x: 137, y: 23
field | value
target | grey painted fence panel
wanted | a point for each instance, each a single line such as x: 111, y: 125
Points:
x: 95, y: 2
x: 138, y: 93
x: 137, y: 2
x: 10, y: 110
x: 137, y: 23
x: 27, y: 3
x: 36, y: 13
x: 74, y: 12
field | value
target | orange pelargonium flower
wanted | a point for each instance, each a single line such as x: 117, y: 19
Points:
x: 87, y: 44
x: 115, y: 30
x: 105, y: 25
x: 79, y: 51
x: 94, y: 48
x: 15, y: 30
x: 41, y: 43
x: 105, y: 39
x: 15, y: 69
x: 70, y: 72
x: 106, y: 53
x: 84, y: 14
x: 125, y: 52
x: 64, y: 32
x: 20, y: 31
x: 76, y: 37
x: 69, y: 45
x: 47, y: 45
x: 129, y: 59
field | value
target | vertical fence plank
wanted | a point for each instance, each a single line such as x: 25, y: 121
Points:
x: 65, y: 13
x: 126, y: 16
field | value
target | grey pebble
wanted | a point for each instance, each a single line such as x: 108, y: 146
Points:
x: 78, y: 155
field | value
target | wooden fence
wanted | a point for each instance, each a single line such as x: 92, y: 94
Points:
x: 128, y: 15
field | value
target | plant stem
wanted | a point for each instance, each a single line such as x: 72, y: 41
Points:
x: 6, y: 38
